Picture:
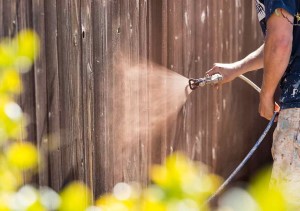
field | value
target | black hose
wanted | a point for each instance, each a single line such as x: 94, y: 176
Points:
x: 240, y: 166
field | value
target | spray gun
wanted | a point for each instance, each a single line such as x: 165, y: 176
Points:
x: 201, y: 82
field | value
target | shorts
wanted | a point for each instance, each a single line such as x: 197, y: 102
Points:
x: 286, y: 154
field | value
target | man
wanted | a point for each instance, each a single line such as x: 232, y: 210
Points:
x: 280, y: 58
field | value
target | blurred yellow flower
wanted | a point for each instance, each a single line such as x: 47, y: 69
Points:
x: 75, y: 197
x: 28, y: 44
x: 153, y: 199
x: 111, y: 203
x: 23, y: 155
x: 7, y: 54
x: 10, y: 82
x: 9, y: 179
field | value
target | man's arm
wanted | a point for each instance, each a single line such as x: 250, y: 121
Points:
x: 253, y: 61
x: 277, y: 52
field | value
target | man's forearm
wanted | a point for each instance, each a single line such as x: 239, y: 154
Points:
x: 253, y: 61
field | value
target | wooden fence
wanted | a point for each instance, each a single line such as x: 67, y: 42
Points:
x: 69, y: 99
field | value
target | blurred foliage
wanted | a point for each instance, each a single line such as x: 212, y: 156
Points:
x: 16, y: 157
x: 267, y: 198
x: 178, y: 185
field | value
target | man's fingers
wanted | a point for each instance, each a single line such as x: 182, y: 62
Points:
x: 212, y: 71
x: 268, y: 113
x: 263, y: 112
x: 268, y: 117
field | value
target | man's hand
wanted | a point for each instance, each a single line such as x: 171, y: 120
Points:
x: 266, y: 106
x: 228, y: 71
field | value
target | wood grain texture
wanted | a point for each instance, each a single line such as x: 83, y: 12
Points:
x: 87, y: 90
x: 73, y: 93
x: 40, y: 81
x: 70, y: 90
x: 53, y: 99
x: 103, y: 151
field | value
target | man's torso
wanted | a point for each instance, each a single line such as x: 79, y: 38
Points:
x: 290, y: 83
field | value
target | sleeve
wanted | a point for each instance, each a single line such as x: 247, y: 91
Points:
x: 272, y: 5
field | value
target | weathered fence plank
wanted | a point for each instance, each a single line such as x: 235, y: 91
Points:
x: 53, y: 99
x: 130, y: 45
x: 103, y: 152
x: 40, y: 81
x: 87, y: 89
x: 144, y: 144
x: 157, y: 46
x: 70, y: 89
x: 116, y: 87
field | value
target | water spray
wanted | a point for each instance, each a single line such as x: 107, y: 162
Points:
x: 214, y: 79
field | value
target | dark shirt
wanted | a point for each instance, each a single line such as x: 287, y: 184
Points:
x: 290, y: 82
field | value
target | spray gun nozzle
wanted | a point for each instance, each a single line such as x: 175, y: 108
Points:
x: 212, y: 79
x: 193, y: 83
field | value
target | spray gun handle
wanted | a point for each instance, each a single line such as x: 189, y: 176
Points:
x: 201, y: 82
x: 213, y: 79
